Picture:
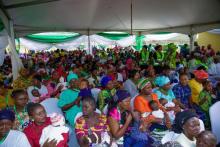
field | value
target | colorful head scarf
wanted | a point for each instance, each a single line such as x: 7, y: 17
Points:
x: 161, y: 81
x: 7, y: 114
x: 121, y: 95
x: 105, y: 81
x: 201, y: 74
x: 142, y: 83
x: 71, y: 76
x: 182, y: 118
x: 85, y: 92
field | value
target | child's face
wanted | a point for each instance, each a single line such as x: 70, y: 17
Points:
x: 83, y: 85
x: 35, y: 93
x: 184, y: 80
x: 204, y: 141
x: 21, y: 100
x: 208, y: 87
x: 154, y: 106
x: 164, y: 102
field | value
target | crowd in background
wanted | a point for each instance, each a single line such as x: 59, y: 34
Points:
x: 114, y: 97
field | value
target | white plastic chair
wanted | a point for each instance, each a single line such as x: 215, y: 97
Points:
x: 51, y: 106
x: 105, y: 110
x: 215, y: 119
x: 95, y: 93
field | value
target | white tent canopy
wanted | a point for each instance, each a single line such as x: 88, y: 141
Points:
x: 96, y: 40
x: 188, y: 16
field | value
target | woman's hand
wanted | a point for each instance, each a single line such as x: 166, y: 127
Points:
x: 60, y: 88
x: 128, y: 118
x: 51, y: 143
x: 95, y: 138
x: 77, y: 101
x: 144, y: 127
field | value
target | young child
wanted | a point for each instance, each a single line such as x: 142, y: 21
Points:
x: 56, y: 131
x: 158, y: 113
x: 37, y: 97
x: 205, y: 100
x: 165, y: 103
x: 85, y: 91
x: 206, y: 139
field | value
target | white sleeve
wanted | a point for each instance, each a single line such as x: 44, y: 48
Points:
x: 23, y: 141
x: 43, y: 137
x: 29, y: 89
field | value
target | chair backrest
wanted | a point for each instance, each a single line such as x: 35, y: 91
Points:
x: 95, y: 93
x: 215, y: 119
x: 51, y: 106
x: 105, y: 110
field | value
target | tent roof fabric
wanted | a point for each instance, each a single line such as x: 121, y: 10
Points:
x: 52, y: 37
x: 32, y: 16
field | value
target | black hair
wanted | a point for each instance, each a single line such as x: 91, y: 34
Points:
x: 132, y: 73
x: 145, y: 46
x: 161, y: 99
x: 152, y: 102
x: 212, y: 137
x: 201, y: 68
x: 7, y: 114
x: 17, y: 92
x: 165, y: 67
x: 112, y: 104
x: 37, y: 77
x: 183, y: 74
x: 31, y: 107
x: 157, y: 47
x: 181, y: 118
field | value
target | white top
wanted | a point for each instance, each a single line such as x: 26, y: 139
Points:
x: 130, y: 87
x: 16, y: 139
x: 158, y: 114
x: 42, y: 91
x: 171, y: 113
x: 185, y: 142
x: 50, y: 132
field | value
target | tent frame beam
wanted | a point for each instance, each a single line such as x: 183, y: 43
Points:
x: 5, y: 17
x: 26, y: 4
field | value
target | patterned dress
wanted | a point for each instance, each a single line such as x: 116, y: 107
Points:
x: 22, y: 83
x: 82, y: 128
x: 183, y: 94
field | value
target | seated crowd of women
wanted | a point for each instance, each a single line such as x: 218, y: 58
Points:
x: 107, y: 105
